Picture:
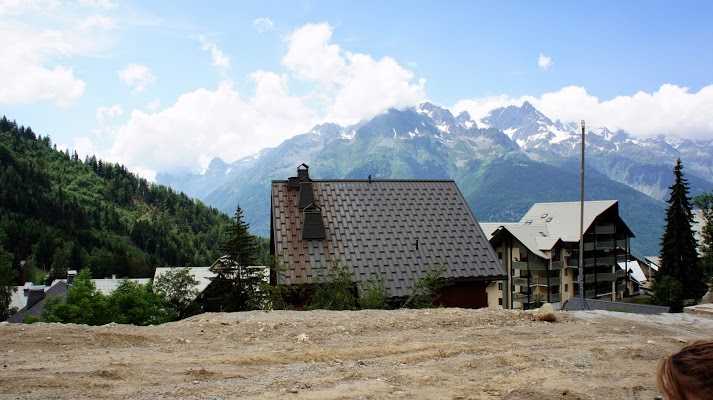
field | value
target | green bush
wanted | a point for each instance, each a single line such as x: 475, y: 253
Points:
x: 373, y: 294
x: 333, y: 288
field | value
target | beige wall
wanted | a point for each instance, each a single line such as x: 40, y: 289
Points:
x: 494, y: 294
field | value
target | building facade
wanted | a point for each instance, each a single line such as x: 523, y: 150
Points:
x: 541, y: 255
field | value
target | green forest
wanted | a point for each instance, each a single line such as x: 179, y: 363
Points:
x: 60, y: 212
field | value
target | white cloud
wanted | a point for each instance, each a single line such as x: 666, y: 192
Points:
x: 343, y: 87
x: 311, y: 56
x: 97, y: 21
x: 26, y: 72
x: 103, y: 116
x: 671, y: 110
x: 370, y: 87
x: 137, y: 77
x: 263, y: 24
x: 104, y: 4
x: 103, y: 113
x: 544, y: 62
x: 40, y: 39
x: 208, y: 123
x: 354, y: 85
x: 220, y: 60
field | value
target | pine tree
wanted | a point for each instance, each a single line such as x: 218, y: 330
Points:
x: 704, y: 203
x: 235, y: 286
x: 679, y: 258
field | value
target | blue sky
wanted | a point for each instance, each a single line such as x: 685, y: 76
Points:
x: 164, y: 86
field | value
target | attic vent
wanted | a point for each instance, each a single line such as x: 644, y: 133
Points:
x: 306, y: 195
x: 313, y: 226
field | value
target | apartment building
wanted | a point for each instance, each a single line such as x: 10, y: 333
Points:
x: 541, y: 255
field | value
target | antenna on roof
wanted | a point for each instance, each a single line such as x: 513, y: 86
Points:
x: 369, y: 178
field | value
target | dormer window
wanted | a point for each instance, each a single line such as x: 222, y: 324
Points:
x: 313, y: 225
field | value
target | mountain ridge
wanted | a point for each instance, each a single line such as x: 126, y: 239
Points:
x: 428, y: 142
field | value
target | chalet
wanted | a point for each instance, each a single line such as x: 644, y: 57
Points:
x: 394, y: 229
x: 540, y: 254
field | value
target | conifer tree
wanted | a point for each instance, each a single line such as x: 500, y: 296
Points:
x: 235, y: 286
x: 679, y: 258
x: 704, y: 203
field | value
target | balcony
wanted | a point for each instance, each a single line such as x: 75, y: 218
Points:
x: 621, y: 287
x: 519, y: 265
x: 557, y: 265
x: 538, y: 298
x: 590, y: 278
x: 605, y: 229
x: 519, y: 281
x: 537, y: 281
x: 520, y: 297
x: 589, y: 294
x: 555, y: 297
x: 620, y: 273
x: 606, y: 277
x: 606, y: 245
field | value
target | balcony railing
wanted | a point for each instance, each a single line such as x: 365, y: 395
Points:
x: 605, y: 229
x: 606, y: 277
x: 520, y: 297
x: 589, y: 294
x: 519, y: 281
x: 606, y: 245
x: 537, y: 281
x: 620, y: 273
x: 555, y: 297
x: 590, y: 278
x: 519, y: 265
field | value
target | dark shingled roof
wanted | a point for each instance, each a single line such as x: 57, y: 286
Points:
x: 574, y: 304
x: 58, y: 289
x: 397, y: 228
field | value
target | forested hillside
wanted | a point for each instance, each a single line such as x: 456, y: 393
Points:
x: 60, y: 212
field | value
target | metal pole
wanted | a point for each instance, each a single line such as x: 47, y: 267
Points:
x: 580, y: 279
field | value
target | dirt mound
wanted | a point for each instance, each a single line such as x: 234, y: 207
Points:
x: 438, y: 353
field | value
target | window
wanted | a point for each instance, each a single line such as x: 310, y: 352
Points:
x: 500, y: 301
x: 566, y: 288
x: 544, y: 215
x: 565, y: 272
x: 500, y: 286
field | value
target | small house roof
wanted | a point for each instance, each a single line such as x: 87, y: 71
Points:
x: 59, y: 288
x: 535, y: 237
x: 574, y: 304
x: 202, y: 274
x: 562, y: 218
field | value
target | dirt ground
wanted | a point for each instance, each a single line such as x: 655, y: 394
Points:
x: 401, y: 354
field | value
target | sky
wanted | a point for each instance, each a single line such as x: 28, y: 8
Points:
x: 165, y: 86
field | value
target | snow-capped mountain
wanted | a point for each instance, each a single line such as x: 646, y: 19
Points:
x: 503, y: 163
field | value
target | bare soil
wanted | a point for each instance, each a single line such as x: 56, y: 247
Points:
x: 400, y: 354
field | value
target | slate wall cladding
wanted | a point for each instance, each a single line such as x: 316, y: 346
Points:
x: 372, y: 227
